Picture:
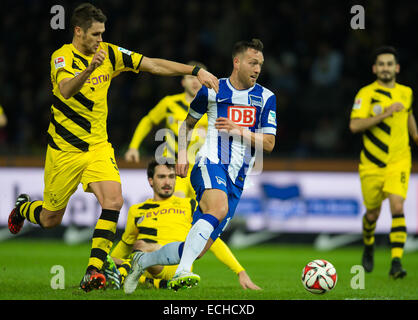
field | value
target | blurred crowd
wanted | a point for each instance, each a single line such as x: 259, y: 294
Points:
x: 314, y: 62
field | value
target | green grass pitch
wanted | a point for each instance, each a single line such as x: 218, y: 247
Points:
x: 25, y: 273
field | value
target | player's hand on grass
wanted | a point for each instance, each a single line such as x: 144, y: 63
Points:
x: 97, y: 60
x: 208, y: 79
x: 132, y: 155
x: 394, y: 107
x: 245, y: 281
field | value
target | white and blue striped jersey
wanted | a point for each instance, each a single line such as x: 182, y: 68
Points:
x: 253, y: 108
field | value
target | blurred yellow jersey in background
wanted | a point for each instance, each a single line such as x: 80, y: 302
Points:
x: 173, y: 110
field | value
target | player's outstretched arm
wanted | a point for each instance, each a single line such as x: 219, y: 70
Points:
x: 164, y: 67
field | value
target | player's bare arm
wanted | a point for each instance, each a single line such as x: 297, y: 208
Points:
x: 359, y: 124
x: 70, y: 86
x: 412, y: 128
x: 164, y: 67
x: 185, y: 130
x: 256, y: 139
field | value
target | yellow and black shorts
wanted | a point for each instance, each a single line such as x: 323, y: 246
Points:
x: 377, y: 183
x: 64, y: 171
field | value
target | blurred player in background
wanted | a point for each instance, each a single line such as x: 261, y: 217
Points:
x: 382, y: 111
x: 78, y: 149
x: 242, y: 123
x: 173, y: 110
x: 165, y: 219
x: 3, y: 118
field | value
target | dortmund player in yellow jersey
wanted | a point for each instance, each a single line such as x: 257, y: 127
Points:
x: 78, y: 149
x: 382, y: 111
x: 162, y: 220
x: 172, y: 109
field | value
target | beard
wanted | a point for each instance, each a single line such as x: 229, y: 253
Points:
x: 164, y: 195
x: 386, y: 77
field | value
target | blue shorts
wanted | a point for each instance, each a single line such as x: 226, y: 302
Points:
x: 214, y: 176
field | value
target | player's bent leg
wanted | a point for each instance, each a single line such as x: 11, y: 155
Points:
x: 397, y: 236
x: 369, y: 226
x: 50, y: 219
x: 34, y: 212
x: 141, y: 245
x: 109, y: 195
x: 185, y: 279
x: 214, y: 202
x: 213, y: 208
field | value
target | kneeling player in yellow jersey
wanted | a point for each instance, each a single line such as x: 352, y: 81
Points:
x: 383, y: 112
x: 172, y: 109
x: 162, y: 220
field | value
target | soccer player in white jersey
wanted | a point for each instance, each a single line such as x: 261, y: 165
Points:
x: 241, y: 122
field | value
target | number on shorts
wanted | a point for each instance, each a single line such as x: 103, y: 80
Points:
x: 403, y: 177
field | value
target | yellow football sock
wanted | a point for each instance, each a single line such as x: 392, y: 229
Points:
x: 397, y: 235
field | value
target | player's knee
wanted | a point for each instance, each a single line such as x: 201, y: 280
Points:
x: 397, y: 208
x: 113, y: 203
x: 218, y: 210
x: 373, y: 215
x: 222, y: 211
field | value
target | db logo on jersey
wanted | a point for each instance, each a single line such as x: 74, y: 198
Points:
x: 243, y: 116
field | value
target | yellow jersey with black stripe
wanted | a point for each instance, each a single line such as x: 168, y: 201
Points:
x: 80, y: 121
x: 388, y: 141
x: 159, y: 221
x: 173, y: 110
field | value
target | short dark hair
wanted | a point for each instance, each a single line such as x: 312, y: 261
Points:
x: 383, y: 50
x: 242, y: 46
x: 84, y: 16
x: 154, y: 163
